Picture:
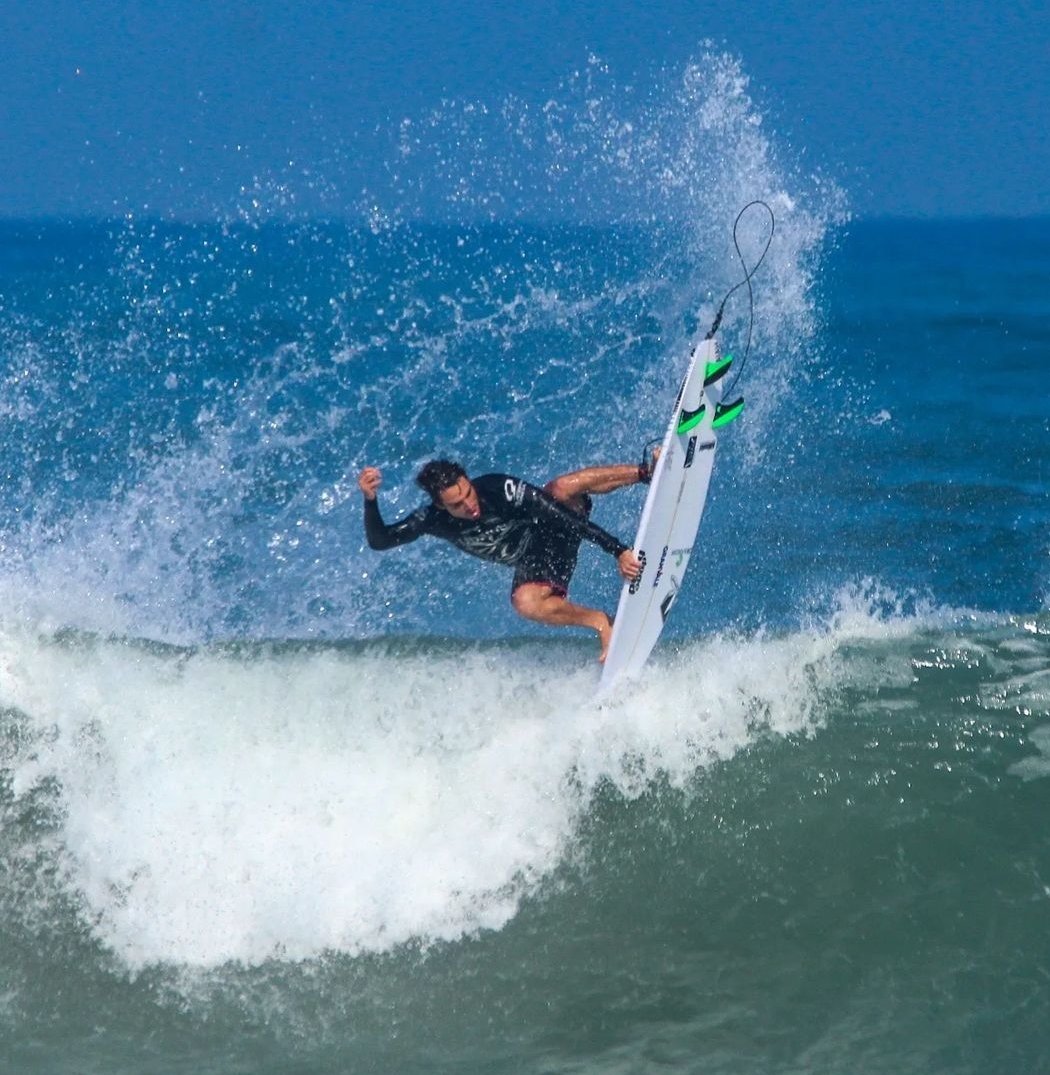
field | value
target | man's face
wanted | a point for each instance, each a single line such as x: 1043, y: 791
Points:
x: 460, y: 500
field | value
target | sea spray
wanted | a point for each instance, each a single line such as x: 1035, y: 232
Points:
x: 199, y: 398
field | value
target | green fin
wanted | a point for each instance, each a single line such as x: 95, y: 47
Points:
x: 716, y: 370
x: 691, y: 419
x: 726, y: 412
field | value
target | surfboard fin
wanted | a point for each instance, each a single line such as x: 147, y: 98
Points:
x: 717, y: 370
x: 691, y: 419
x: 726, y: 412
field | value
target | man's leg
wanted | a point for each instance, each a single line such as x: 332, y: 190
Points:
x: 539, y: 601
x: 571, y: 489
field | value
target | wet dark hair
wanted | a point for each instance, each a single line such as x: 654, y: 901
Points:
x: 437, y: 476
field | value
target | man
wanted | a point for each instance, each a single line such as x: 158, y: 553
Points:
x: 508, y: 521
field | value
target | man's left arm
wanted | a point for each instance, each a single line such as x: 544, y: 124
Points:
x: 542, y: 506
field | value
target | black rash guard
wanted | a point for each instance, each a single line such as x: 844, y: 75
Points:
x: 520, y: 525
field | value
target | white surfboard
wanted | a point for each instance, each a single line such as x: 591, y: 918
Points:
x: 671, y: 516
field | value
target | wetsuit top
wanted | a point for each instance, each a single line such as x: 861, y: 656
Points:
x: 513, y: 514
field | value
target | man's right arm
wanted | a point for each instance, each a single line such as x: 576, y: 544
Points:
x: 381, y: 536
x: 377, y: 533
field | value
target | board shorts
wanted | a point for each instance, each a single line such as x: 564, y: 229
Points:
x: 551, y: 557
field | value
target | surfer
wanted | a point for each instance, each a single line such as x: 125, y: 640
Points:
x: 503, y: 519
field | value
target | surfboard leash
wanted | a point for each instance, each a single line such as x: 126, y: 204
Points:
x: 748, y: 274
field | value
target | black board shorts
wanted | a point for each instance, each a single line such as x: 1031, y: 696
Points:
x: 551, y: 557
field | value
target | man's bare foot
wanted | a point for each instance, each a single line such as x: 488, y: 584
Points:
x: 647, y: 466
x: 605, y: 637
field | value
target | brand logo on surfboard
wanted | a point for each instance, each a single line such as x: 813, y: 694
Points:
x: 670, y: 598
x: 693, y: 448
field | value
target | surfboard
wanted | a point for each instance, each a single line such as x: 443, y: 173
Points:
x: 672, y: 512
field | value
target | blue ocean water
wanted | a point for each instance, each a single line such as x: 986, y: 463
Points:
x: 273, y: 802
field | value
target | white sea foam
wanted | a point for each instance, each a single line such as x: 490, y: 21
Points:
x: 238, y: 806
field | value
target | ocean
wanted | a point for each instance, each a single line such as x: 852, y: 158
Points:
x: 271, y: 802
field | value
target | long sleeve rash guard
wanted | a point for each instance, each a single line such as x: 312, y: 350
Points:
x: 512, y: 512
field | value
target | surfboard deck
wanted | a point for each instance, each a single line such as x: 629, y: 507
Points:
x: 671, y: 515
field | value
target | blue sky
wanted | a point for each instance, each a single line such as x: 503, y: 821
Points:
x: 916, y: 108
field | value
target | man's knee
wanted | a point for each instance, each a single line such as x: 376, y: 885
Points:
x: 562, y: 488
x: 524, y: 599
x: 569, y: 492
x: 530, y: 599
